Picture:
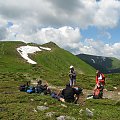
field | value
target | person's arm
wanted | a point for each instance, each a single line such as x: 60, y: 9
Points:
x: 70, y: 74
x: 62, y: 92
x: 74, y: 73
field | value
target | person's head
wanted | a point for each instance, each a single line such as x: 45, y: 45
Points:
x: 98, y: 72
x: 71, y: 67
x: 39, y: 82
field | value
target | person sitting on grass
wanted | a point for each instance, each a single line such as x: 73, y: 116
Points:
x: 42, y: 88
x: 57, y: 95
x: 78, y: 92
x: 100, y: 83
x: 69, y: 94
x: 100, y: 80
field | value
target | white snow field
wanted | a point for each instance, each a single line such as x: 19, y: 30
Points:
x: 44, y: 48
x: 25, y: 50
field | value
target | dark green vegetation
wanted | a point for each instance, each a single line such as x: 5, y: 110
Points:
x: 52, y: 66
x: 104, y: 64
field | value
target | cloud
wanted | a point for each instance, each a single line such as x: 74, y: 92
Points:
x: 66, y: 37
x: 3, y: 33
x: 99, y: 48
x: 106, y: 11
x: 57, y: 13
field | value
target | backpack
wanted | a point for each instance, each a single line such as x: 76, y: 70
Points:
x: 40, y: 89
x: 22, y: 88
x: 78, y: 90
x: 98, y: 93
x: 31, y: 90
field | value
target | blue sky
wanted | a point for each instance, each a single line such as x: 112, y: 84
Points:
x: 79, y: 26
x: 100, y: 34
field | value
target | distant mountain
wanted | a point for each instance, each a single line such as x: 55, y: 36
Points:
x: 104, y: 64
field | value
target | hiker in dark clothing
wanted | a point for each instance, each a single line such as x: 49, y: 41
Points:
x: 68, y: 93
x: 39, y: 88
x: 78, y: 92
x: 72, y: 76
x: 42, y: 88
x: 57, y: 95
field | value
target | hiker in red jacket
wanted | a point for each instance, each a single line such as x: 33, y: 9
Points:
x: 100, y: 79
x: 100, y: 82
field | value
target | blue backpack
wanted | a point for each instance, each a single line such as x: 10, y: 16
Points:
x: 31, y: 90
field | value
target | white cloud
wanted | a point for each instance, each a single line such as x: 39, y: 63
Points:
x: 81, y: 13
x: 99, y: 48
x: 107, y: 14
x: 66, y: 37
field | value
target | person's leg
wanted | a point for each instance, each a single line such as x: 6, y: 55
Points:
x: 94, y: 89
x: 71, y: 82
x: 76, y: 98
x: 74, y: 82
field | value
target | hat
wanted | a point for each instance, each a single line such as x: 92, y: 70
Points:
x: 97, y: 71
x: 71, y: 67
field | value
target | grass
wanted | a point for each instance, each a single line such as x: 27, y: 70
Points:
x: 113, y: 80
x: 16, y: 105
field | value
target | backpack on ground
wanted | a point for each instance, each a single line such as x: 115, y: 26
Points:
x: 98, y: 93
x: 31, y: 90
x: 22, y: 88
x: 78, y: 90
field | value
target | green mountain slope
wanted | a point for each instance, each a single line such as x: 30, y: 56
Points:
x: 51, y: 65
x: 104, y: 64
x: 10, y: 60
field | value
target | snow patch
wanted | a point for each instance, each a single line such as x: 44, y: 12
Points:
x: 44, y: 48
x: 25, y: 50
x: 93, y: 60
x: 103, y: 58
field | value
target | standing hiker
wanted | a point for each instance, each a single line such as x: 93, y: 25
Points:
x: 72, y: 76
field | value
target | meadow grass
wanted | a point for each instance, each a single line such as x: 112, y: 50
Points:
x: 16, y: 105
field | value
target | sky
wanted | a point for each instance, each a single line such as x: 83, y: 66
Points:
x: 79, y: 26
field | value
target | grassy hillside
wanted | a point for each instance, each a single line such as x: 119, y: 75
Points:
x: 10, y: 60
x: 104, y: 64
x: 52, y: 65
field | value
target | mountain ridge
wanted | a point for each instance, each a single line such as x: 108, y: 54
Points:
x: 102, y: 63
